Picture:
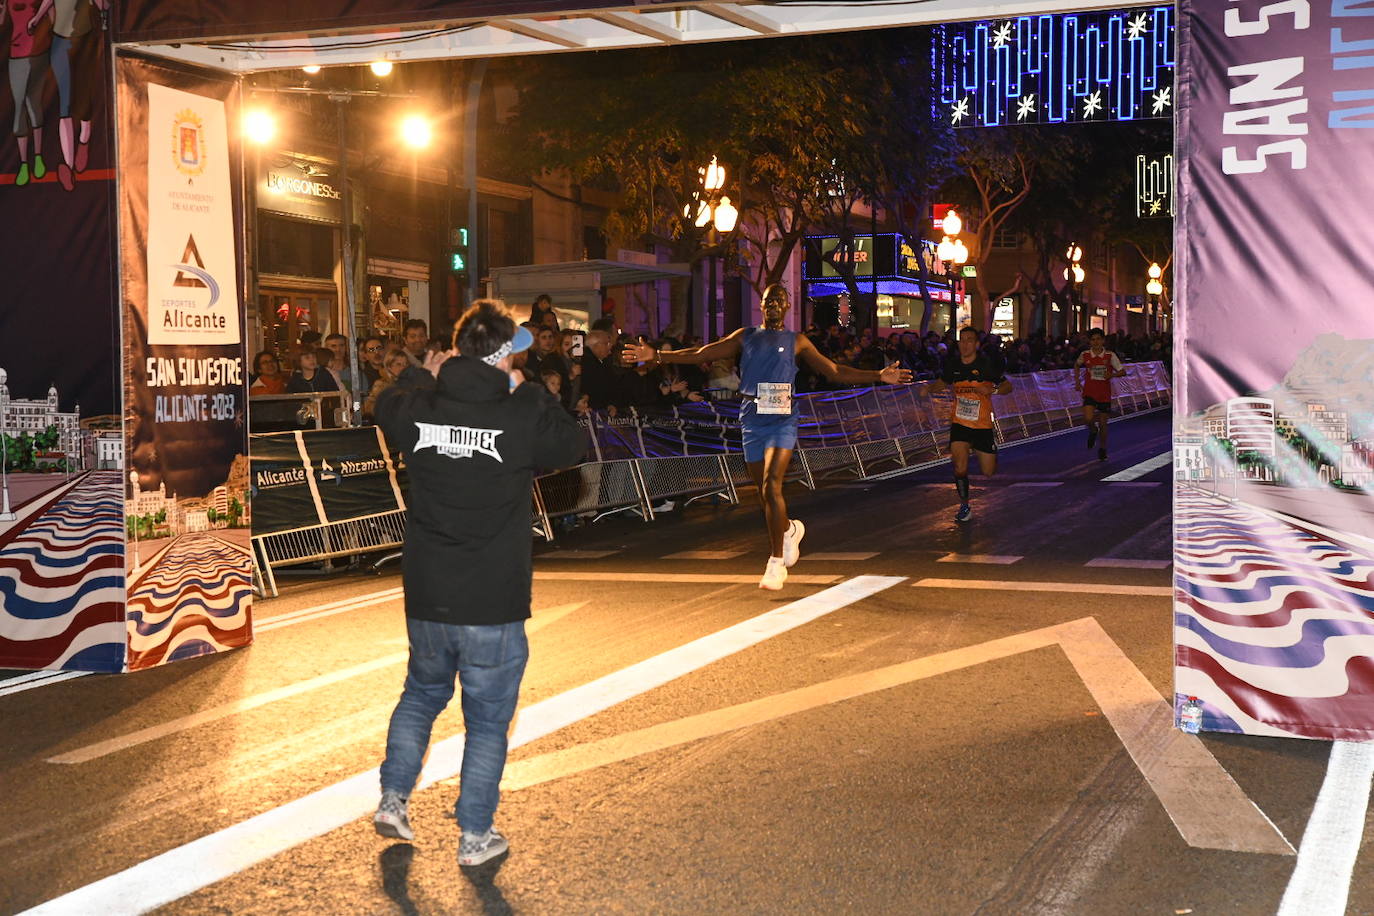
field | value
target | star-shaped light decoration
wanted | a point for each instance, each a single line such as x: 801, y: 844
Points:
x: 1137, y: 27
x: 960, y: 111
x: 1163, y: 99
x: 1155, y: 205
x: 1001, y: 35
x: 1024, y: 107
x: 1092, y: 104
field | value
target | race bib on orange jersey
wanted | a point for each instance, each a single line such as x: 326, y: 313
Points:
x: 972, y: 405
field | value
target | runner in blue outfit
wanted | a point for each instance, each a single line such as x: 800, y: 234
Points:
x: 768, y: 359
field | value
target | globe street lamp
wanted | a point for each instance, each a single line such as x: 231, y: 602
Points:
x: 716, y: 214
x: 1155, y: 288
x: 953, y: 254
x: 6, y: 515
x: 1074, y: 274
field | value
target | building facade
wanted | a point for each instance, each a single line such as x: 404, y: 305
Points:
x: 25, y: 416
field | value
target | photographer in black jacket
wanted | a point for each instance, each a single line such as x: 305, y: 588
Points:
x: 473, y: 436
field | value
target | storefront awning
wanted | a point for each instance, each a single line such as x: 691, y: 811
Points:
x: 892, y: 286
x: 581, y: 275
x: 254, y: 36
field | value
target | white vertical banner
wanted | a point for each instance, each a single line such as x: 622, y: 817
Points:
x: 193, y: 286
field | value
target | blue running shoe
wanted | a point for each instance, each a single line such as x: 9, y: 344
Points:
x: 964, y: 514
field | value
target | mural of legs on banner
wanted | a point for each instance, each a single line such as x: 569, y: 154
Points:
x: 61, y: 532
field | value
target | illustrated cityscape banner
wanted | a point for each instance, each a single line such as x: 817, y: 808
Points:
x: 185, y: 389
x: 62, y: 552
x: 1274, y: 431
x: 1052, y: 69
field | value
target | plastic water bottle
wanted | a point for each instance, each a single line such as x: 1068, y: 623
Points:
x: 1190, y: 716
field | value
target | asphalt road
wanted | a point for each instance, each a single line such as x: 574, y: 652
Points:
x: 929, y: 718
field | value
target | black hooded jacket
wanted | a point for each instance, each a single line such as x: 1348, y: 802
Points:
x: 471, y: 448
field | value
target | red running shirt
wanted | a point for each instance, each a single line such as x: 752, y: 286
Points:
x: 1097, y: 382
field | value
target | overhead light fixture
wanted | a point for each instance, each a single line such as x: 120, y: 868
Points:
x: 381, y: 67
x: 416, y: 131
x: 311, y: 69
x: 259, y: 126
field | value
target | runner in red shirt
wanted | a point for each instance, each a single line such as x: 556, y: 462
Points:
x: 1092, y: 375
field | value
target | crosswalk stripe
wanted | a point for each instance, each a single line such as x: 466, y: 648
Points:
x: 576, y: 554
x: 1120, y: 563
x: 706, y: 555
x: 1140, y: 470
x: 1078, y: 588
x: 984, y: 558
x: 858, y: 557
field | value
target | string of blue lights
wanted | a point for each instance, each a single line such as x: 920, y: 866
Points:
x: 1053, y: 69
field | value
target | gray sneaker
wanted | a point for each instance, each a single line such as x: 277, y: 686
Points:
x: 392, y: 820
x: 477, y: 848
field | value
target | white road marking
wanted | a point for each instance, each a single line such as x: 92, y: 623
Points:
x: 576, y: 554
x: 263, y: 625
x: 1207, y: 807
x: 1078, y: 588
x: 706, y: 555
x: 984, y: 558
x: 1039, y: 483
x: 1320, y: 884
x: 224, y: 710
x: 841, y: 556
x: 188, y: 868
x: 1119, y: 563
x: 36, y: 679
x: 675, y: 578
x: 1144, y: 484
x: 1145, y: 467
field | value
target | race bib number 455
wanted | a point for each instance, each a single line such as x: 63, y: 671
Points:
x: 774, y: 398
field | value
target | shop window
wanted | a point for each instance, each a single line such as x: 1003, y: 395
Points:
x: 388, y: 305
x: 1006, y: 239
x: 593, y: 244
x: 294, y: 248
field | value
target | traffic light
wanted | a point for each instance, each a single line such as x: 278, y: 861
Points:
x: 458, y: 254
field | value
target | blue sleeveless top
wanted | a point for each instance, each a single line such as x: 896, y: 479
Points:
x: 767, y: 356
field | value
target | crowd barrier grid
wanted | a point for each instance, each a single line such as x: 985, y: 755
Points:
x: 854, y: 434
x: 317, y: 543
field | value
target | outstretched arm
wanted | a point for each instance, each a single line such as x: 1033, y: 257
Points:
x: 727, y: 347
x: 848, y: 375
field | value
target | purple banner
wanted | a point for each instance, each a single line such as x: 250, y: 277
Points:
x: 1274, y: 617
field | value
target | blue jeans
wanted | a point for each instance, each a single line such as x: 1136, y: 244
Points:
x: 489, y: 662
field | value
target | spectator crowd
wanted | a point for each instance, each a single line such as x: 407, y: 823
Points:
x: 583, y: 368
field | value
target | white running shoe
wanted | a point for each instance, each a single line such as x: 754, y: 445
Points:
x: 791, y: 543
x: 775, y: 575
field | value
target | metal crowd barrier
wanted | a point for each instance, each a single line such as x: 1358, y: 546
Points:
x: 317, y: 543
x: 855, y: 435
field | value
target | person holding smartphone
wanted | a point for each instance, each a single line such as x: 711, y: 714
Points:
x: 768, y: 358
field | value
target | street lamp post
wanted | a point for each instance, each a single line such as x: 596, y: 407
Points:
x: 133, y: 489
x: 1155, y: 288
x: 718, y: 216
x: 6, y: 514
x: 953, y: 254
x: 1075, y: 274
